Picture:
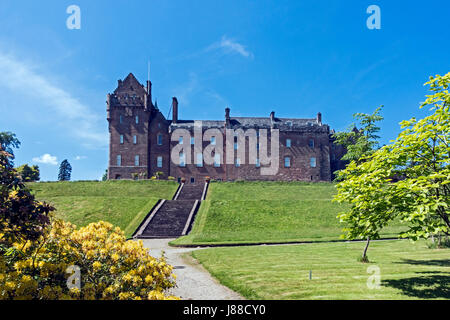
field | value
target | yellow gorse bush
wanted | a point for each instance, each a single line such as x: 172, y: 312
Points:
x: 110, y: 266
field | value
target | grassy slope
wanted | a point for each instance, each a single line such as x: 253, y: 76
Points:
x: 255, y: 212
x: 408, y: 270
x: 122, y: 203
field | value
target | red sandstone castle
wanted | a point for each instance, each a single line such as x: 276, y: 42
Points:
x: 142, y: 143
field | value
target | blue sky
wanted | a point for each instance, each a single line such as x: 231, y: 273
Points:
x: 294, y: 57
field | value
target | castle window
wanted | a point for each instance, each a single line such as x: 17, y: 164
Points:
x: 313, y: 162
x: 289, y: 123
x: 235, y: 146
x: 217, y: 160
x: 120, y: 119
x: 192, y: 180
x: 160, y: 139
x: 258, y: 164
x: 136, y: 160
x: 288, y: 143
x: 119, y: 160
x: 159, y: 162
x: 287, y: 162
x: 121, y: 139
x: 182, y: 160
x: 311, y: 143
x: 180, y: 140
x: 237, y: 163
x: 137, y: 119
x: 199, y: 160
x: 333, y: 156
x: 118, y: 177
x: 213, y: 141
x: 192, y: 140
x: 135, y: 139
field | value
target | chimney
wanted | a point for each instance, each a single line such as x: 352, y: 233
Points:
x: 174, y: 110
x: 119, y: 83
x: 149, y: 91
x: 319, y: 118
x: 227, y: 118
x: 272, y: 116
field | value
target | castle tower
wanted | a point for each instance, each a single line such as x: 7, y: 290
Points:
x: 129, y: 110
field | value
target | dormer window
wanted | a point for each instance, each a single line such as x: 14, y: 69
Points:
x: 289, y: 123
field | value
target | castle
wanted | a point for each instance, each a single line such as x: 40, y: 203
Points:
x: 142, y: 143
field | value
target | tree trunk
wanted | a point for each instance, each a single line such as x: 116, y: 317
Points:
x: 364, y: 256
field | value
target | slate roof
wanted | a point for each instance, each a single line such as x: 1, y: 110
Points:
x: 284, y: 124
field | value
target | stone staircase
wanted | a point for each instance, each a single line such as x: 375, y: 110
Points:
x: 172, y: 218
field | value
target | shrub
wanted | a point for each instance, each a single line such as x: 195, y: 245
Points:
x: 110, y: 267
x: 35, y: 255
x: 21, y: 216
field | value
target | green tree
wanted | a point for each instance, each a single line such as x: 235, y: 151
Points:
x: 420, y: 159
x: 105, y: 175
x: 28, y: 173
x: 362, y: 142
x: 8, y: 141
x: 65, y: 170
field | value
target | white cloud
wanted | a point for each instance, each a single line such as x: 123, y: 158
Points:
x: 69, y: 112
x: 80, y: 157
x: 46, y: 159
x: 231, y: 46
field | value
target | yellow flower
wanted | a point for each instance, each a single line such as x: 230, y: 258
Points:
x: 115, y: 256
x: 96, y: 265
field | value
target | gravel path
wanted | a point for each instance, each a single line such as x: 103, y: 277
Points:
x: 193, y: 281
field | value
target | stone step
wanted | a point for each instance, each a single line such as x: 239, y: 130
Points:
x: 170, y: 219
x: 191, y: 192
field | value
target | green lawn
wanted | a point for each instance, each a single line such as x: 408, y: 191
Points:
x: 407, y: 270
x: 122, y: 203
x: 268, y: 212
